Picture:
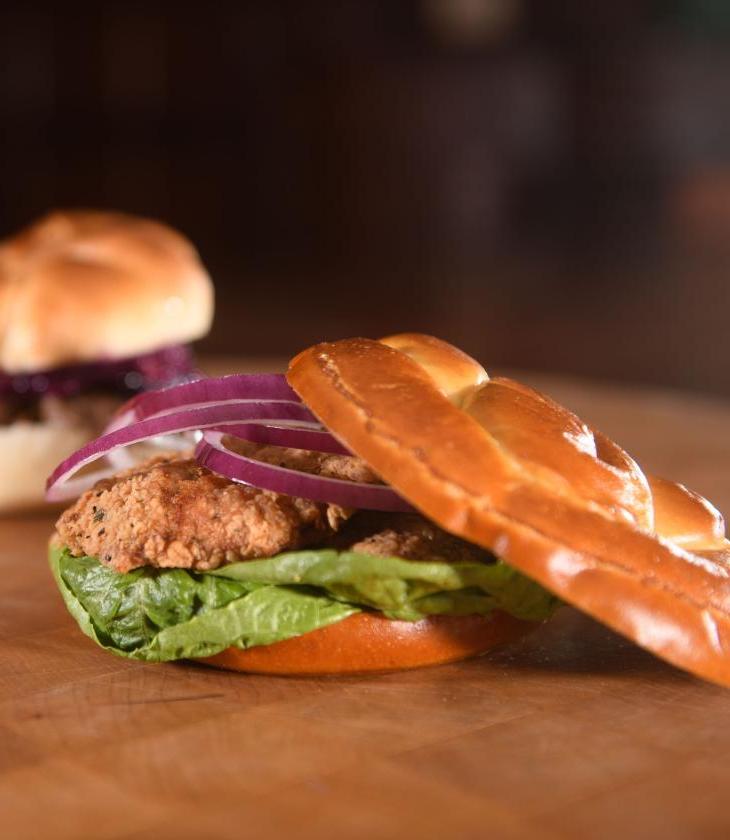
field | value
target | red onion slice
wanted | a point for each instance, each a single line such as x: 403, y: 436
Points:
x: 60, y: 487
x: 212, y: 454
x: 237, y: 388
x: 258, y: 408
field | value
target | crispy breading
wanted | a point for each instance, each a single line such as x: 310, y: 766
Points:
x: 171, y: 512
x: 406, y: 535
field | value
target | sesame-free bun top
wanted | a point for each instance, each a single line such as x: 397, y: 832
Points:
x: 85, y: 286
x: 503, y: 466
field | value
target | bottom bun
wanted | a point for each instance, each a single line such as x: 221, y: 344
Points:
x: 29, y: 452
x: 365, y: 643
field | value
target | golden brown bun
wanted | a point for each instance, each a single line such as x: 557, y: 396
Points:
x: 504, y: 467
x: 365, y: 643
x: 81, y: 286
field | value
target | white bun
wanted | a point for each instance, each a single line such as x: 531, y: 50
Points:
x: 29, y: 452
x: 80, y: 286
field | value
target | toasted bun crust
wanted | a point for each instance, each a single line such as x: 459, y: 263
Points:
x: 29, y: 452
x: 81, y: 286
x: 365, y: 643
x: 503, y: 466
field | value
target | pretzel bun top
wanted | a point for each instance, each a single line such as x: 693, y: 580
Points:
x: 82, y: 286
x: 503, y: 466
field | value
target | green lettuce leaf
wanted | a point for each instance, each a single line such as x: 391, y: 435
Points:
x: 402, y: 589
x: 164, y: 614
x: 173, y: 614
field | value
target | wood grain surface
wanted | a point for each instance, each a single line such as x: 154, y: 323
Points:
x: 572, y: 733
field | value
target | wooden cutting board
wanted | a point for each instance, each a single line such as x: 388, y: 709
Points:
x: 572, y: 733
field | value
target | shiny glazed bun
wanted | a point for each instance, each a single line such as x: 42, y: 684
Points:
x: 366, y: 643
x: 500, y: 465
x: 84, y: 286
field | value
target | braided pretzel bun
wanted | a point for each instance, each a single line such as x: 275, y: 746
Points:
x: 82, y: 286
x: 499, y: 464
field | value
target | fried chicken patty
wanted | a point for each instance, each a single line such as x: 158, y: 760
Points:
x: 172, y: 513
x: 406, y: 535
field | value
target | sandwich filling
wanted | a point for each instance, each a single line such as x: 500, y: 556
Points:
x: 169, y: 560
x: 86, y: 395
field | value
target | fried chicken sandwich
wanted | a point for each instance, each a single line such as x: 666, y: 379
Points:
x: 94, y: 307
x: 385, y: 505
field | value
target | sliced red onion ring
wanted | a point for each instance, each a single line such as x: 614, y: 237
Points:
x: 237, y: 388
x: 212, y: 454
x: 257, y: 408
x: 290, y: 436
x: 60, y: 487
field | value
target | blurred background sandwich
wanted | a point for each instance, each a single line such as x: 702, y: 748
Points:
x: 94, y: 307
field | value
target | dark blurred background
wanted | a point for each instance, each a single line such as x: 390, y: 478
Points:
x: 547, y: 184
